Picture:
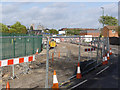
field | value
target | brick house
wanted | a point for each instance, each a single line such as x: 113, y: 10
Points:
x: 109, y: 31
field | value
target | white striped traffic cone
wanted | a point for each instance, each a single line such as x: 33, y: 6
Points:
x: 110, y: 52
x: 106, y: 61
x: 89, y: 44
x: 37, y: 50
x: 78, y: 76
x: 101, y: 46
x: 55, y: 81
x: 7, y: 86
x: 103, y: 62
x: 105, y: 48
x: 108, y: 57
x: 96, y: 45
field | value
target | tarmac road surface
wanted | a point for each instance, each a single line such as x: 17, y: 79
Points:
x: 106, y: 77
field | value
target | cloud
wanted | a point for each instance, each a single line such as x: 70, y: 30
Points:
x: 111, y: 9
x: 57, y: 15
x: 0, y: 12
x: 10, y: 9
x: 59, y: 0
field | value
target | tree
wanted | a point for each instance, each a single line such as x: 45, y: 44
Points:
x: 53, y: 31
x: 45, y: 31
x: 31, y: 27
x: 108, y: 20
x: 73, y: 32
x: 3, y: 28
x: 18, y: 28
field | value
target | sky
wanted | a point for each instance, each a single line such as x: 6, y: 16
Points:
x: 57, y: 14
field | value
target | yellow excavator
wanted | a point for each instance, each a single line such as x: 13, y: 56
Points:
x: 52, y: 43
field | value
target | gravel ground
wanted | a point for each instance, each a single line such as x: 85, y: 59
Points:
x: 64, y: 65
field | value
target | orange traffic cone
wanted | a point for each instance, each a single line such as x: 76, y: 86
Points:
x: 110, y: 52
x: 105, y: 48
x: 101, y: 46
x: 78, y: 76
x: 89, y: 44
x: 55, y: 81
x: 108, y: 57
x: 7, y: 86
x: 37, y: 50
x: 52, y: 57
x: 96, y: 45
x: 59, y: 55
x: 106, y: 61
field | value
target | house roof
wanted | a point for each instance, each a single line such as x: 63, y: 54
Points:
x: 77, y: 29
x: 111, y: 27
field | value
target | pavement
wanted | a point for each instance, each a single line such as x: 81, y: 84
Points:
x: 106, y: 76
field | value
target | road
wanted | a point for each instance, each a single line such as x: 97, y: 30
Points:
x: 103, y: 77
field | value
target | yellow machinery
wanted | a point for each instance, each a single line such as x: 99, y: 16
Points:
x: 52, y: 43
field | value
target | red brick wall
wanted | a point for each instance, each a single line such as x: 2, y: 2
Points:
x: 105, y: 31
x: 113, y: 34
x: 83, y: 34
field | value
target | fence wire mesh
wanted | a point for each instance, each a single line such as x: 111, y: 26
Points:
x: 17, y: 46
x: 63, y: 58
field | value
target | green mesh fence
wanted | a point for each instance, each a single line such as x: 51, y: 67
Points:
x: 19, y: 45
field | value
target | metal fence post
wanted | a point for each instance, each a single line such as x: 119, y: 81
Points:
x: 13, y: 71
x: 79, y: 51
x: 25, y: 46
x: 104, y: 46
x: 107, y: 43
x: 14, y: 57
x: 14, y: 46
x: 33, y: 45
x: 47, y: 63
x: 91, y: 51
x: 94, y: 41
x: 97, y: 49
x: 101, y: 47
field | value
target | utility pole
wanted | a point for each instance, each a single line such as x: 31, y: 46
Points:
x: 103, y: 15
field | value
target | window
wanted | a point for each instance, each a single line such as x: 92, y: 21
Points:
x: 113, y: 31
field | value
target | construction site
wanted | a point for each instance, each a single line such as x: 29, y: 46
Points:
x: 56, y: 64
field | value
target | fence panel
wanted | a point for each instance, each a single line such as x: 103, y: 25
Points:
x: 63, y: 58
x: 14, y: 46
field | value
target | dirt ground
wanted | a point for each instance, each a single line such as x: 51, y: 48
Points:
x: 64, y: 65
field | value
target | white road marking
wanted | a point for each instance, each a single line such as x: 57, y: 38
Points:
x: 102, y: 70
x: 115, y: 49
x: 87, y: 80
x: 79, y: 84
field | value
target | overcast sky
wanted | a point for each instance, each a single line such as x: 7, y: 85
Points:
x: 57, y: 14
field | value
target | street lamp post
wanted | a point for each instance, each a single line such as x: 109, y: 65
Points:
x: 103, y: 15
x: 107, y: 32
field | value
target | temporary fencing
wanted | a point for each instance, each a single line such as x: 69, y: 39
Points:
x: 16, y: 61
x: 18, y: 52
x: 73, y: 56
x: 17, y: 46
